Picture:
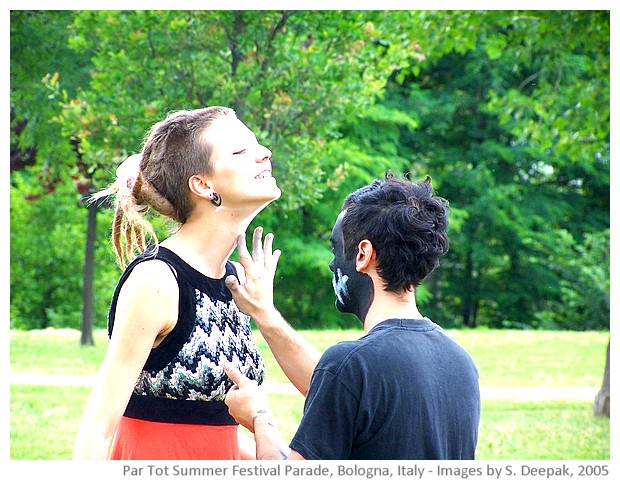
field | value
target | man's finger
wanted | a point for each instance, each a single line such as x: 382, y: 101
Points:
x: 242, y: 247
x: 268, y: 247
x: 244, y: 255
x: 232, y: 283
x: 271, y: 256
x: 257, y: 245
x: 274, y: 260
x: 234, y: 374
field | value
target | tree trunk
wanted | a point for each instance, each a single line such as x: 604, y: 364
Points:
x: 87, y: 289
x: 603, y: 399
x: 470, y: 299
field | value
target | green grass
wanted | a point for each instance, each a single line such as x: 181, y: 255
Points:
x: 44, y: 419
x: 504, y: 357
x: 542, y: 430
x: 55, y: 351
x: 536, y: 358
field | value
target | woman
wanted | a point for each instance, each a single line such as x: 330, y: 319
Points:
x: 172, y: 322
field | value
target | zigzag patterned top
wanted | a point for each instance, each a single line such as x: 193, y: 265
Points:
x: 183, y: 380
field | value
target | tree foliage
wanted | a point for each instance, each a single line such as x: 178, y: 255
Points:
x: 508, y: 111
x: 291, y: 76
x: 515, y: 133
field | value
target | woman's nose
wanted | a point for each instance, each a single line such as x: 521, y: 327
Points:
x: 264, y: 154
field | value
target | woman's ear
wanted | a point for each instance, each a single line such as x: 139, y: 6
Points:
x: 200, y: 186
x: 365, y: 255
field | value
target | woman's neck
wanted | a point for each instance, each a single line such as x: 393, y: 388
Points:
x: 207, y: 243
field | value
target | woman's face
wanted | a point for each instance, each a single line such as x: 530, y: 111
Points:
x: 241, y: 167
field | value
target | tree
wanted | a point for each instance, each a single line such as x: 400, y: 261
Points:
x: 602, y: 402
x: 39, y: 51
x: 500, y: 153
x: 143, y: 64
x: 507, y: 125
x: 147, y: 63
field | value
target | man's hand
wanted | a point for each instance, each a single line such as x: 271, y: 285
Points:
x: 246, y: 400
x: 254, y: 297
x: 256, y: 294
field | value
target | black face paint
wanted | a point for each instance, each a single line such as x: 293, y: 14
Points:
x: 354, y: 290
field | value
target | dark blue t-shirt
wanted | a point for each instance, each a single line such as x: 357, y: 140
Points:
x: 406, y: 390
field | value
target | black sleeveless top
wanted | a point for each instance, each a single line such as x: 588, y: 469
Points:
x: 183, y: 379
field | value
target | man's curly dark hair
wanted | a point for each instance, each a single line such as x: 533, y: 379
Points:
x: 405, y: 222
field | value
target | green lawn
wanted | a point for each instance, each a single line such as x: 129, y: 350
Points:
x: 44, y: 419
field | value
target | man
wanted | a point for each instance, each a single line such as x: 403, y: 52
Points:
x: 405, y: 390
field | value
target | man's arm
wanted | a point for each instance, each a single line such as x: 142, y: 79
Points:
x: 248, y: 404
x: 254, y: 297
x: 296, y: 356
x: 269, y: 442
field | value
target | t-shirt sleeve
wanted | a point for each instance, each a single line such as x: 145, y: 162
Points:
x: 328, y: 426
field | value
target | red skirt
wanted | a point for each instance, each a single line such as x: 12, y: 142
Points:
x: 145, y: 440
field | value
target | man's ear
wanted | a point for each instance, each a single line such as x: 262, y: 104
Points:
x: 200, y: 186
x: 365, y: 255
